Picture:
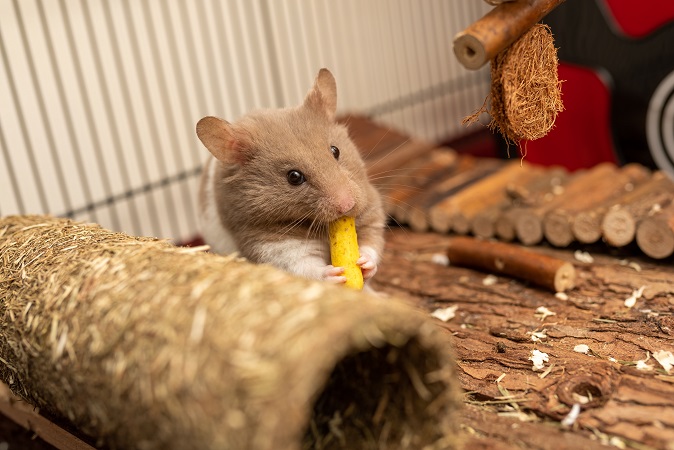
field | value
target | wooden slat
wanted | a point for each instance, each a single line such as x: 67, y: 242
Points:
x: 26, y: 415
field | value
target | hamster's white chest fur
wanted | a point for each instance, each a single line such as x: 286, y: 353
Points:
x: 212, y: 229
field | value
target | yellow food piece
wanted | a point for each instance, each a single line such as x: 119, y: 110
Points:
x: 344, y: 250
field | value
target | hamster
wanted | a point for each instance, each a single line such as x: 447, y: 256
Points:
x: 275, y: 180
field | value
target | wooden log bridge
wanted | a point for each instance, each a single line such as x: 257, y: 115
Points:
x: 433, y: 188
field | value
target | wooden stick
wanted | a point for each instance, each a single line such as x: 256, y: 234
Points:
x: 468, y: 171
x: 655, y: 233
x: 491, y: 192
x: 596, y: 191
x: 499, y: 28
x: 619, y: 224
x: 483, y: 222
x: 529, y: 226
x: 442, y: 214
x: 586, y: 225
x: 25, y: 415
x: 529, y: 223
x: 504, y: 228
x: 545, y: 271
x: 534, y: 193
x: 421, y: 174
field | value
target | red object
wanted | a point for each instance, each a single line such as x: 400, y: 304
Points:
x: 639, y: 19
x: 581, y: 136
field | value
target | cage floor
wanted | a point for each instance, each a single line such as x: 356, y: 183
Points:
x: 498, y: 324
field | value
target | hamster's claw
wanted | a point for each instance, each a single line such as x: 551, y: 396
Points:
x: 367, y: 265
x: 333, y: 274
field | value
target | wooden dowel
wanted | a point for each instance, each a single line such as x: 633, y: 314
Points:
x: 421, y: 174
x: 535, y: 193
x: 491, y: 192
x: 619, y: 225
x: 655, y: 233
x: 499, y: 28
x: 603, y: 186
x: 443, y: 214
x: 529, y: 223
x: 483, y: 224
x: 586, y: 225
x: 484, y: 221
x: 504, y: 227
x: 497, y: 257
x: 26, y: 415
x: 468, y: 171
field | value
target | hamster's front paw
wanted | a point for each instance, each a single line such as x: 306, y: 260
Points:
x: 368, y: 266
x: 334, y: 274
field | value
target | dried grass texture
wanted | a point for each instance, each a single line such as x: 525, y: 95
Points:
x: 526, y: 92
x: 145, y: 345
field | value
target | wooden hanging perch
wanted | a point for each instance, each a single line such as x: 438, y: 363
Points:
x: 525, y: 93
x: 498, y: 29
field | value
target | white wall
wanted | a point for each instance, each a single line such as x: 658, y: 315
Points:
x: 98, y: 98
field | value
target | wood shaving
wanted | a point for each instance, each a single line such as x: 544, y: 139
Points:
x: 632, y: 264
x: 445, y: 314
x: 582, y: 256
x: 538, y: 336
x: 615, y: 441
x: 538, y: 358
x: 543, y: 313
x: 571, y: 417
x: 440, y: 259
x: 665, y: 358
x: 632, y: 299
x: 641, y: 364
x: 490, y: 280
x: 656, y: 208
x: 581, y: 348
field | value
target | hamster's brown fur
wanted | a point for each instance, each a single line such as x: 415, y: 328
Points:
x: 248, y: 204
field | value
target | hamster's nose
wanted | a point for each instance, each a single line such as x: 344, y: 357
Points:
x: 345, y: 202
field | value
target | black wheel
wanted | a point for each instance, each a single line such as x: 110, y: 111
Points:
x: 640, y: 74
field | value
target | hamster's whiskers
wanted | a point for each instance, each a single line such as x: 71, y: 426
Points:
x: 375, y: 145
x: 385, y: 173
x: 294, y: 224
x: 316, y: 226
x: 389, y: 153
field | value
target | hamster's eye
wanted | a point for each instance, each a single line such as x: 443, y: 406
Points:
x: 295, y: 177
x: 335, y: 151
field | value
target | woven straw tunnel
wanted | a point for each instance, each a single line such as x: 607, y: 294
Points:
x: 141, y: 344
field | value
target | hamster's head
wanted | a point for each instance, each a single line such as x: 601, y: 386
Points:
x: 290, y: 165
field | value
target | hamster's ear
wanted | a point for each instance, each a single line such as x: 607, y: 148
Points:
x: 323, y: 95
x: 223, y: 140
